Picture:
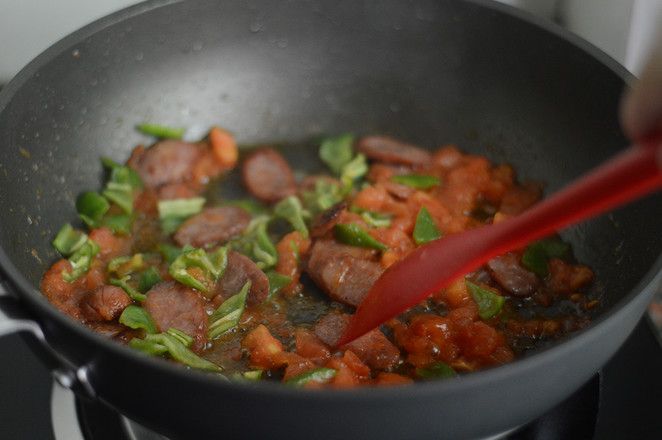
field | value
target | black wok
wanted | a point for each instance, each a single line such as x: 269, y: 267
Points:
x: 478, y: 74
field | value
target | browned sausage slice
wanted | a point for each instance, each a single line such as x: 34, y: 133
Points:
x: 509, y: 273
x: 384, y: 149
x: 168, y: 161
x: 267, y: 176
x: 326, y: 220
x: 345, y: 273
x: 173, y: 304
x: 212, y: 226
x: 241, y: 269
x: 104, y: 303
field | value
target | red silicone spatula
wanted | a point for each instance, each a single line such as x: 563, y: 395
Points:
x: 633, y: 173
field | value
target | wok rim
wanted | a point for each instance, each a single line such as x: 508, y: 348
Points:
x: 23, y: 290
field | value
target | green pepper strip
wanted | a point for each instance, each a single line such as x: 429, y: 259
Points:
x: 161, y: 131
x: 489, y: 303
x: 122, y: 173
x: 247, y: 376
x: 325, y: 195
x: 148, y: 279
x: 120, y: 223
x: 91, y: 207
x: 425, y: 229
x: 255, y: 243
x: 277, y: 281
x: 418, y: 181
x: 151, y: 348
x: 373, y: 218
x: 124, y: 284
x: 126, y: 265
x: 80, y: 260
x: 229, y: 313
x: 539, y: 253
x: 436, y: 370
x: 184, y: 338
x: 213, y: 264
x: 180, y: 353
x: 68, y: 240
x: 336, y: 152
x: 291, y: 210
x: 136, y: 317
x: 119, y: 189
x: 354, y: 235
x: 174, y: 212
x: 353, y: 170
x: 321, y: 375
x: 121, y: 194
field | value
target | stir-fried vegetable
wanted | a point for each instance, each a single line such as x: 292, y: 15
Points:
x: 80, y: 260
x: 229, y: 313
x: 489, y: 303
x: 138, y: 318
x: 243, y: 303
x: 538, y: 254
x: 425, y: 229
x: 437, y: 370
x: 419, y: 181
x: 212, y: 264
x: 354, y: 235
x: 161, y: 131
x: 68, y: 240
x: 317, y: 375
x: 174, y: 212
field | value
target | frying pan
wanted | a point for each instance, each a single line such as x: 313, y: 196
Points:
x: 476, y: 74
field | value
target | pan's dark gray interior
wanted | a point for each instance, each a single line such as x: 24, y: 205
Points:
x: 430, y: 72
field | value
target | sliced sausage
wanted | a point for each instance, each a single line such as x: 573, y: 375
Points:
x: 241, y: 269
x: 325, y: 220
x: 509, y: 273
x: 104, y: 303
x: 345, y: 273
x: 384, y: 149
x: 172, y: 304
x: 167, y: 161
x: 267, y: 176
x: 212, y: 226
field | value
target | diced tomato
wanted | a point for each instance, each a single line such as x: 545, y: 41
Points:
x: 290, y: 248
x: 371, y: 198
x: 111, y: 246
x: 265, y: 350
x: 351, y: 371
x: 455, y: 295
x: 385, y: 378
x: 224, y: 147
x: 397, y: 240
x: 296, y: 364
x: 310, y: 346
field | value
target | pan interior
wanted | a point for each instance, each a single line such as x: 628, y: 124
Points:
x: 427, y: 72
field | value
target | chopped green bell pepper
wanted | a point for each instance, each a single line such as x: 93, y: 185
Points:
x: 425, y: 229
x: 354, y: 235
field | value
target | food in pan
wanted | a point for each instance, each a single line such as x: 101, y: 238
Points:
x: 172, y: 260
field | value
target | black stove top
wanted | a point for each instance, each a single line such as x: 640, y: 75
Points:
x: 623, y: 401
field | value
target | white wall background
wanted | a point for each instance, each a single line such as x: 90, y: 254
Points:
x: 28, y: 27
x: 622, y: 28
